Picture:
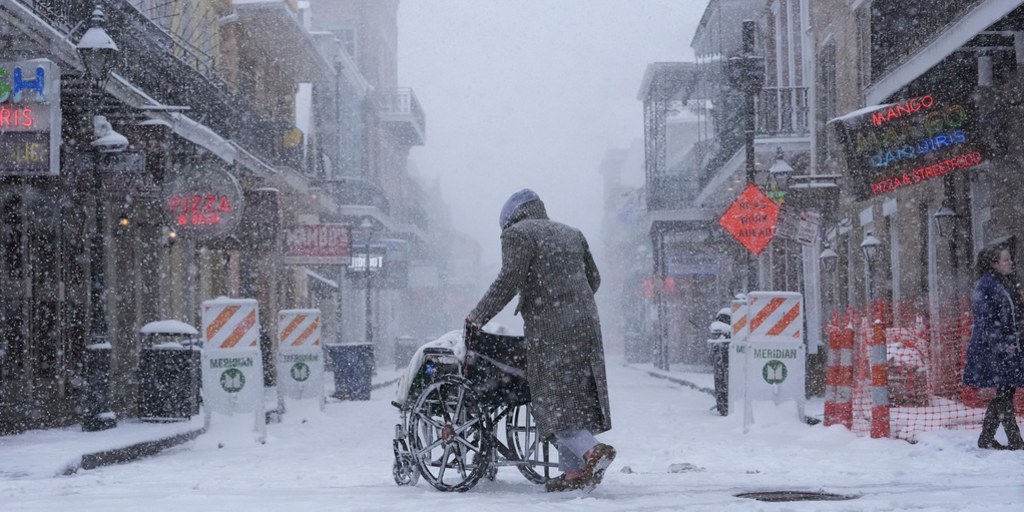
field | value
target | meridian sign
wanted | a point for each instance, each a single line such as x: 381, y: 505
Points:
x: 891, y: 146
x: 30, y: 118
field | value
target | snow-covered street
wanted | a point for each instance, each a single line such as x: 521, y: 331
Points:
x: 674, y: 454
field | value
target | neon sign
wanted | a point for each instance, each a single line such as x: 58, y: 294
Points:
x: 203, y: 201
x: 30, y: 118
x: 896, y: 145
x: 899, y: 110
x: 197, y: 209
x: 920, y: 174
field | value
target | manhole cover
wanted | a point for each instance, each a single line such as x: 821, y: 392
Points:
x: 795, y: 496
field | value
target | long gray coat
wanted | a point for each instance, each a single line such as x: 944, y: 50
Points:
x: 550, y: 266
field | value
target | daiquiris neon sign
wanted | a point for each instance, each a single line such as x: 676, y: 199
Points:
x: 905, y: 143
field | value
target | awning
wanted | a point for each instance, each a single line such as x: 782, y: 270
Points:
x: 185, y: 127
x: 330, y: 283
x: 955, y: 36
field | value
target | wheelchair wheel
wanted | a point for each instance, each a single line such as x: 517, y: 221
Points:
x: 540, y: 457
x: 449, y: 435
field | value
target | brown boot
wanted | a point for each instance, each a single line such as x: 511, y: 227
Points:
x: 596, y: 461
x: 562, y: 483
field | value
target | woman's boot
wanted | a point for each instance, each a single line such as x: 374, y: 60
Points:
x: 1009, y: 417
x: 987, y: 439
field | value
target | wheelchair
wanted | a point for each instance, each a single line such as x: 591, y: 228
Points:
x: 463, y: 419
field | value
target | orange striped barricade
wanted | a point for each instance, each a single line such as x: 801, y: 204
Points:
x: 737, y: 354
x: 776, y: 354
x: 232, y: 364
x: 880, y: 426
x: 300, y: 363
x: 839, y: 378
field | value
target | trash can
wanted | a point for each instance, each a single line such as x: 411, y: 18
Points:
x: 169, y: 371
x: 353, y: 369
x: 637, y: 349
x: 168, y: 382
x: 405, y: 347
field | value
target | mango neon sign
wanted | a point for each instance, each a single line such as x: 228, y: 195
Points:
x: 901, y: 109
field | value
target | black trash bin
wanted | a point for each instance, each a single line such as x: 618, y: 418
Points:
x: 353, y: 369
x: 405, y: 347
x: 637, y: 348
x: 168, y: 382
x: 169, y: 374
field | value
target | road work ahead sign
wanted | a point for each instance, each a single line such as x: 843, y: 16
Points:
x: 751, y: 219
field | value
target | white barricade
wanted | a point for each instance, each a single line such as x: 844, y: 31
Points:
x: 737, y: 355
x: 300, y: 364
x: 232, y: 364
x: 774, y: 351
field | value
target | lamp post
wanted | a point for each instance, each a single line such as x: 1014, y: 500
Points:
x: 870, y: 249
x: 367, y: 228
x: 746, y: 73
x: 829, y: 261
x: 98, y: 51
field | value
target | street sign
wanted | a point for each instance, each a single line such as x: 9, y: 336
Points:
x: 751, y: 219
x: 300, y: 365
x: 317, y: 244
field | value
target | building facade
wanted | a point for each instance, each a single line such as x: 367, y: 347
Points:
x: 281, y: 121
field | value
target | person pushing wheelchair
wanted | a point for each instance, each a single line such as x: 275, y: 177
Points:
x: 550, y: 266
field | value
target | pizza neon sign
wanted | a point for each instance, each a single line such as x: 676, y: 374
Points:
x: 198, y: 209
x: 203, y: 201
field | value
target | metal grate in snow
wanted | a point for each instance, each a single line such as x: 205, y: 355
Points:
x: 778, y: 496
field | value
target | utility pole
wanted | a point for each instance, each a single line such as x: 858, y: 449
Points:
x: 746, y: 74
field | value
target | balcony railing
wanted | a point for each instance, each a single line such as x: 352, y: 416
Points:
x: 781, y: 112
x: 400, y: 109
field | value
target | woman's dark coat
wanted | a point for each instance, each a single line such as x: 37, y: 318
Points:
x: 994, y: 355
x: 550, y: 266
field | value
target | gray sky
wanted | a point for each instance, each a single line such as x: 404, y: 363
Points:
x: 531, y: 93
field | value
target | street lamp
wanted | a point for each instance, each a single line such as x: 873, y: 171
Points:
x: 945, y: 218
x: 829, y: 257
x: 780, y: 171
x: 98, y: 53
x: 97, y: 50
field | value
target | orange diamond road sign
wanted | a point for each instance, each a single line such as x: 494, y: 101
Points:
x: 751, y: 219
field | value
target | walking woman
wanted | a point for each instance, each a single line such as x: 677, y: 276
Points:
x: 994, y: 356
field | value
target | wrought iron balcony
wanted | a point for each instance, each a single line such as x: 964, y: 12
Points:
x: 401, y: 112
x: 781, y: 112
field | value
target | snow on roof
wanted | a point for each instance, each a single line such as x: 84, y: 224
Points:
x: 299, y: 312
x: 228, y: 300
x: 168, y: 327
x: 850, y: 116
